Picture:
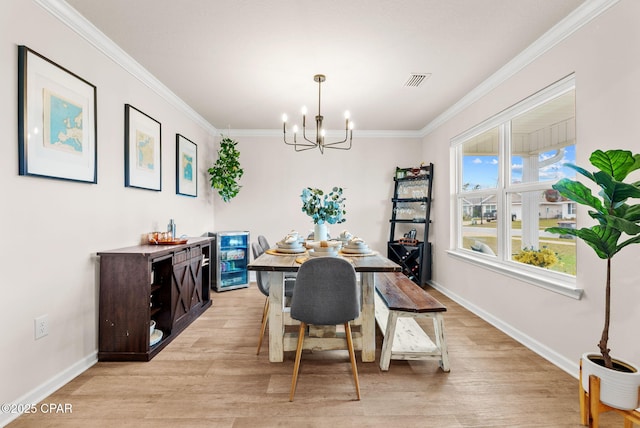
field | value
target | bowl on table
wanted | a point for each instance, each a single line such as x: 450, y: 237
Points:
x: 324, y: 248
x: 356, y: 246
x: 290, y: 244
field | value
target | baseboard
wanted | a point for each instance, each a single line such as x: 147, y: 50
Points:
x: 49, y: 387
x: 570, y: 367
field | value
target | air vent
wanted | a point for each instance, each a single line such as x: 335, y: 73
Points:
x: 416, y: 79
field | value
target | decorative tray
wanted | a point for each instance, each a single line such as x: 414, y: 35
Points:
x: 171, y: 242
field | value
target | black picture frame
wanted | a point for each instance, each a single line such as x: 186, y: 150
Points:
x: 186, y: 166
x: 57, y: 121
x: 142, y: 150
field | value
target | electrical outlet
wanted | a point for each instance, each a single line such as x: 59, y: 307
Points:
x: 41, y: 326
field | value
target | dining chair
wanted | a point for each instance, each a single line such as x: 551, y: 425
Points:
x: 326, y: 293
x: 264, y: 286
x: 262, y: 240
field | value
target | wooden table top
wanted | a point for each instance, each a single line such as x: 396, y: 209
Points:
x: 288, y: 263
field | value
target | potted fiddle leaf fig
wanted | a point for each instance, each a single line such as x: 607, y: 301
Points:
x: 226, y: 172
x: 617, y: 227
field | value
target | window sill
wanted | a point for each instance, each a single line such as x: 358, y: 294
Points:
x: 557, y: 285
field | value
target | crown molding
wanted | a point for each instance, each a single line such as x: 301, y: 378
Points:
x: 563, y: 29
x: 573, y: 22
x: 85, y: 29
x: 330, y: 134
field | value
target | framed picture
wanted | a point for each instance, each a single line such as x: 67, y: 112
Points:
x: 142, y: 150
x: 186, y: 166
x: 57, y: 130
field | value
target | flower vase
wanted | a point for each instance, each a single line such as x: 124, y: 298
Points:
x: 320, y: 232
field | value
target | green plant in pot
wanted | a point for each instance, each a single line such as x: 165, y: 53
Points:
x: 226, y: 172
x: 323, y: 208
x: 617, y: 226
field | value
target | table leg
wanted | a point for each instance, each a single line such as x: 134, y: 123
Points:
x: 368, y: 327
x: 276, y: 319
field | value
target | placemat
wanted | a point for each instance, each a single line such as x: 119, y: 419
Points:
x: 275, y: 252
x: 372, y: 253
x: 303, y: 259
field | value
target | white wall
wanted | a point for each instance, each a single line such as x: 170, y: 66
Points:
x: 269, y: 202
x: 52, y: 229
x: 607, y: 95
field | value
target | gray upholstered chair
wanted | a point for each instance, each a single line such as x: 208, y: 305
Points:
x: 326, y: 293
x: 263, y: 242
x: 264, y: 286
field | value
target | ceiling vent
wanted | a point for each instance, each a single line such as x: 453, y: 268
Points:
x: 416, y: 79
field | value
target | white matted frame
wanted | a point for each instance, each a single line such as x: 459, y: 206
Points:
x: 186, y: 167
x: 57, y: 130
x: 142, y: 150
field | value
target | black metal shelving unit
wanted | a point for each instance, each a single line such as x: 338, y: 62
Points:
x: 412, y: 254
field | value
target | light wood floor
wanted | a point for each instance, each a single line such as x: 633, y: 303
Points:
x: 210, y: 376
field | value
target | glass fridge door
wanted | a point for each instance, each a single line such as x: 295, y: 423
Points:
x: 233, y: 257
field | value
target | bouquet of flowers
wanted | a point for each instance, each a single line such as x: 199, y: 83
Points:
x: 323, y: 207
x: 543, y: 257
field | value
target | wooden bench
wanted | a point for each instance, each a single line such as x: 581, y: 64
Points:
x: 399, y: 301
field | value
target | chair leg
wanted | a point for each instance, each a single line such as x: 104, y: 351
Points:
x: 352, y: 357
x: 296, y: 366
x: 265, y: 318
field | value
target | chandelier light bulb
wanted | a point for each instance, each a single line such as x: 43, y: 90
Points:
x: 304, y: 110
x: 295, y: 129
x: 347, y: 115
x: 284, y: 117
x: 350, y: 126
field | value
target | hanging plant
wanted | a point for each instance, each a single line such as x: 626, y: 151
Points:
x: 226, y: 172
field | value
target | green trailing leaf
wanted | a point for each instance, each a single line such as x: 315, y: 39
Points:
x: 226, y: 172
x: 615, y: 218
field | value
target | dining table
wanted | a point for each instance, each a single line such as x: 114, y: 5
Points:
x: 277, y: 265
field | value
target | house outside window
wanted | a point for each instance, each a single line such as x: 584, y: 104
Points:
x: 503, y: 198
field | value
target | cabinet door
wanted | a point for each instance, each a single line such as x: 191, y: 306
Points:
x: 182, y: 286
x: 195, y: 267
x: 187, y: 283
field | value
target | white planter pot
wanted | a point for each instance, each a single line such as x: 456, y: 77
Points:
x: 618, y: 389
x: 320, y: 232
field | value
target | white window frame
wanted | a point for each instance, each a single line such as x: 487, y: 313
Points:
x: 555, y: 281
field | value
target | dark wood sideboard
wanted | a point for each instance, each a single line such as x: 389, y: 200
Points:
x: 169, y: 284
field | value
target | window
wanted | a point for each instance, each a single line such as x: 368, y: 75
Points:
x: 505, y: 168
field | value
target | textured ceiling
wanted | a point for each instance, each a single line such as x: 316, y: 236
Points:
x: 240, y: 64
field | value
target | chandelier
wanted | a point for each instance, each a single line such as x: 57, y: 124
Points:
x: 319, y: 140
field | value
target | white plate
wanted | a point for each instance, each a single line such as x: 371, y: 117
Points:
x: 330, y: 244
x: 155, y: 337
x: 291, y: 250
x: 361, y: 250
x: 295, y: 244
x: 313, y: 253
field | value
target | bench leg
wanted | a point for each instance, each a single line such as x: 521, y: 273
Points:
x: 387, y: 344
x: 441, y: 343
